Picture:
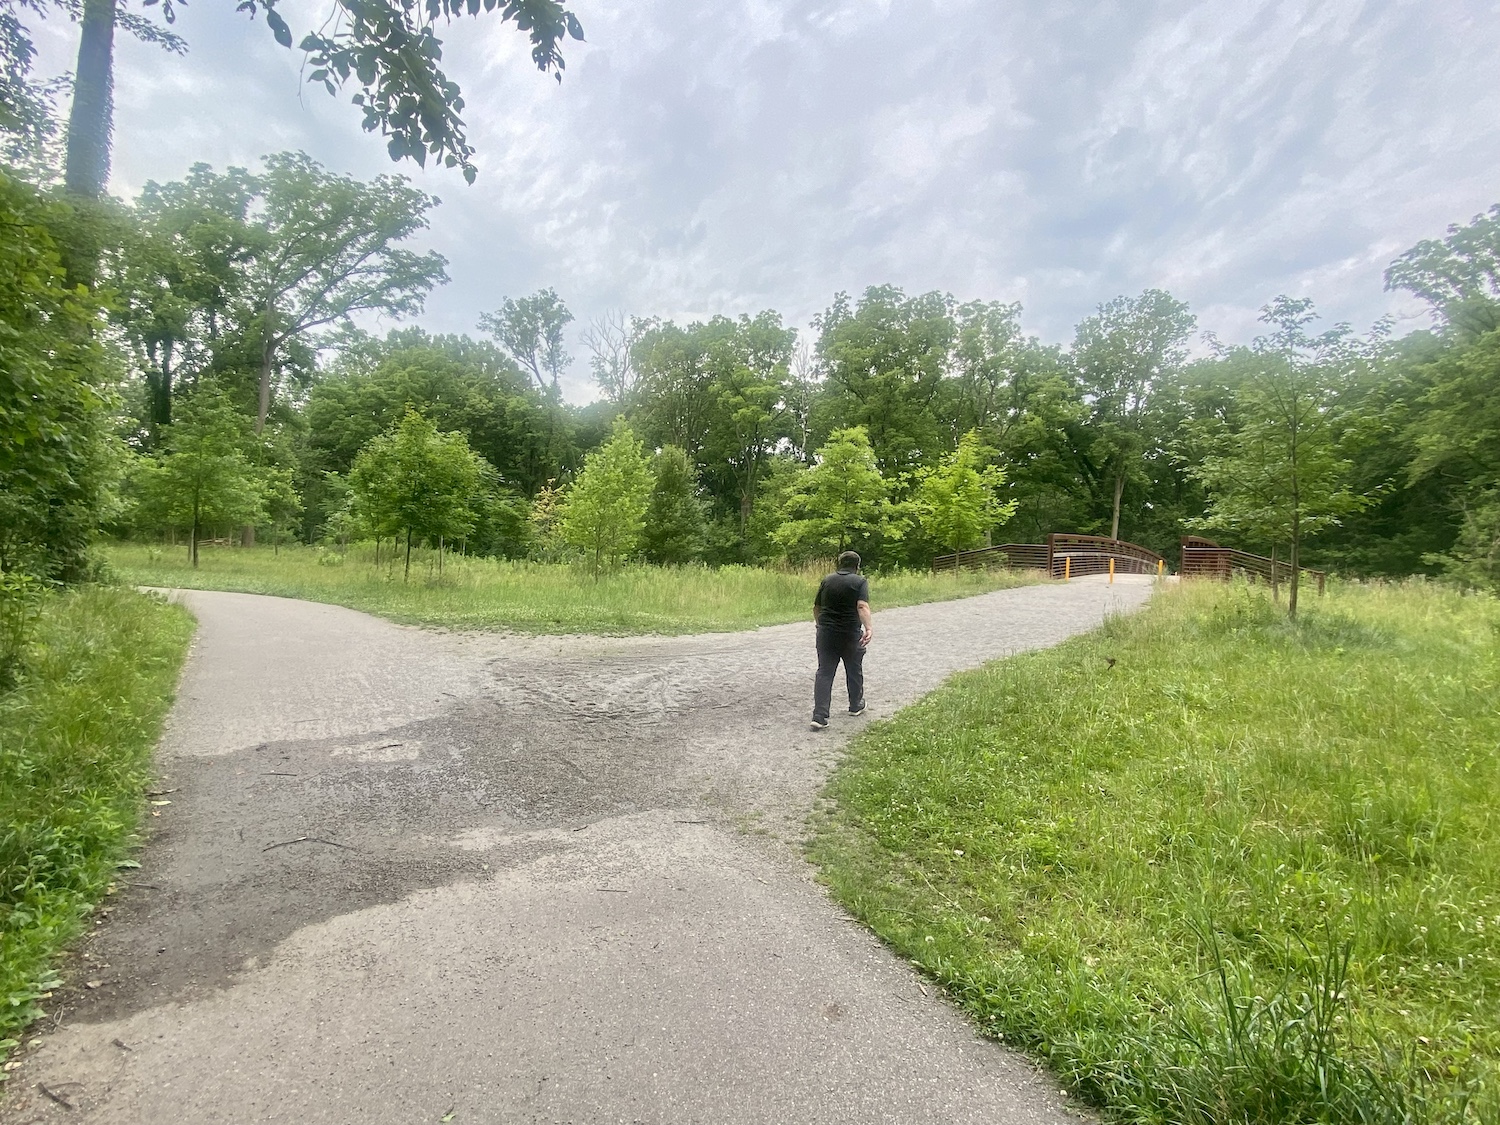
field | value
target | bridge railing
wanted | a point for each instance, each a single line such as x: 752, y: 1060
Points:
x: 1012, y: 556
x: 1078, y: 555
x: 1203, y: 558
x: 1061, y: 556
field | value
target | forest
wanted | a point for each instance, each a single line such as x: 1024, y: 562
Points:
x: 216, y: 381
x: 196, y: 365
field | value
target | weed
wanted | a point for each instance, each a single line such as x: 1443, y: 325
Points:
x: 76, y: 736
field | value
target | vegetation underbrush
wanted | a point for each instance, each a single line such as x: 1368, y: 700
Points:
x: 1212, y: 866
x: 533, y: 597
x: 76, y: 735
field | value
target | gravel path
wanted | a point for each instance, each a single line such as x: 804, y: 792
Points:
x: 405, y: 874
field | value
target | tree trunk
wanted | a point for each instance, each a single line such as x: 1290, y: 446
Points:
x: 1275, y: 585
x: 267, y: 361
x: 406, y: 576
x: 1114, y: 523
x: 91, y: 120
x: 193, y: 537
x: 1295, y: 563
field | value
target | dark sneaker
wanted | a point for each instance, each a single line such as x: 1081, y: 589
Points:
x: 858, y: 708
x: 820, y: 724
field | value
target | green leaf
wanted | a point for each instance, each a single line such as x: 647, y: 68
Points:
x: 279, y: 28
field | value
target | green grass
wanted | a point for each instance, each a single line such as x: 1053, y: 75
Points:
x: 1210, y: 866
x: 76, y: 737
x: 530, y: 597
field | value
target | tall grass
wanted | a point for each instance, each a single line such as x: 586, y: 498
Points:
x: 527, y: 596
x: 1211, y: 866
x: 76, y: 735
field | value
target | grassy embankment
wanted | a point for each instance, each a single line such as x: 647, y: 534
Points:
x: 1212, y: 867
x: 530, y: 597
x: 76, y: 736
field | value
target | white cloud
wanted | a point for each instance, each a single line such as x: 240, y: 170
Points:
x: 727, y: 157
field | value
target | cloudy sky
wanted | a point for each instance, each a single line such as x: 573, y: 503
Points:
x: 734, y: 155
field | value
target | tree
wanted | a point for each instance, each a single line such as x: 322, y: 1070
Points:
x: 91, y: 117
x: 1123, y: 355
x: 530, y: 329
x: 885, y: 359
x: 417, y: 482
x: 328, y: 251
x: 609, y: 339
x: 57, y: 459
x: 176, y: 277
x: 748, y: 363
x: 389, y: 48
x: 675, y: 526
x: 672, y: 383
x: 1455, y: 426
x: 1279, y: 475
x: 603, y: 513
x: 203, y: 476
x: 839, y: 502
x: 959, y: 501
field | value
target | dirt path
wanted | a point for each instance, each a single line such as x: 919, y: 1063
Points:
x: 407, y: 874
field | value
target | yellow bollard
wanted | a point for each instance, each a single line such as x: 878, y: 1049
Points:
x: 1161, y: 565
x: 1067, y: 568
x: 1111, y: 572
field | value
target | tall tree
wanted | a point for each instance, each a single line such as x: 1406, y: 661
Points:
x: 841, y: 501
x: 675, y: 526
x: 603, y: 513
x: 531, y: 329
x: 203, y: 477
x: 56, y: 458
x: 1455, y: 427
x: 747, y: 414
x: 960, y: 501
x: 178, y: 275
x: 388, y: 48
x: 885, y: 358
x: 417, y: 482
x: 329, y: 251
x: 673, y: 380
x: 609, y: 339
x: 91, y: 118
x: 1280, y: 474
x: 1123, y: 355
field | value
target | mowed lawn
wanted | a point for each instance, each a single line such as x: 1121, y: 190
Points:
x: 527, y: 596
x: 1209, y: 865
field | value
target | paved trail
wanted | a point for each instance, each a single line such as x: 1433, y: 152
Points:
x: 406, y: 874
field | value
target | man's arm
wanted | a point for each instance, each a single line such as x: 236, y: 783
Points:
x: 867, y: 620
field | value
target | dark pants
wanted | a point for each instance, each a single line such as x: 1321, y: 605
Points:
x: 833, y: 647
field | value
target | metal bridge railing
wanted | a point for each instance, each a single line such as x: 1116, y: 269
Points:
x: 1061, y: 556
x: 1203, y: 558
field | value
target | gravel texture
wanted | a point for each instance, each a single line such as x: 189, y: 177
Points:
x: 405, y: 874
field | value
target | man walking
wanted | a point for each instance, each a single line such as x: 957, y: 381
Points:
x: 841, y: 613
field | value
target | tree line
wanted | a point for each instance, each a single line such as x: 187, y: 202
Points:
x: 214, y: 379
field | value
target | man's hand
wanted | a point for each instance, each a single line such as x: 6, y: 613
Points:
x: 867, y: 623
x: 869, y: 635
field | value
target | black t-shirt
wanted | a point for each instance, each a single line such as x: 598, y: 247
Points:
x: 838, y: 601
